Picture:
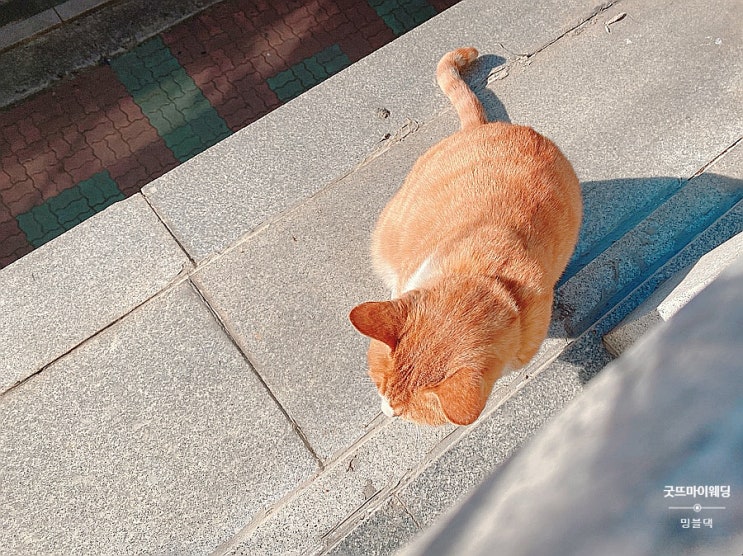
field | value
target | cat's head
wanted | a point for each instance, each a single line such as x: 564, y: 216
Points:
x: 435, y: 354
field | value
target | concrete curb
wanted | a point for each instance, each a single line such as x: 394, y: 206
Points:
x: 39, y: 52
x: 17, y: 32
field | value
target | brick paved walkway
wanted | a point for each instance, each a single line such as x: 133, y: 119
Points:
x: 78, y: 147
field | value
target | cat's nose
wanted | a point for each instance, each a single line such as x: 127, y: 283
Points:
x: 387, y: 408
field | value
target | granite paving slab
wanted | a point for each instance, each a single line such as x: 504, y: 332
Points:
x: 659, y: 96
x: 91, y: 276
x: 285, y: 294
x: 154, y: 437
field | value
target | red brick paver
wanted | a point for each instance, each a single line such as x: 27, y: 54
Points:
x: 66, y: 135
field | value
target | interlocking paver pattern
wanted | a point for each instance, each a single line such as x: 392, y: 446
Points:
x: 65, y: 136
x: 403, y: 15
x: 308, y: 73
x: 66, y: 210
x: 116, y: 127
x: 170, y: 99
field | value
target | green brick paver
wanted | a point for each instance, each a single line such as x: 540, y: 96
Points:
x: 63, y: 212
x: 403, y: 15
x: 308, y: 73
x: 169, y: 98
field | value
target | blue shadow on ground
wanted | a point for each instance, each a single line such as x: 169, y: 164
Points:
x: 477, y: 77
x: 632, y: 229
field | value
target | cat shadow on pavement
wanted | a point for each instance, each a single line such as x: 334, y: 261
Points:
x: 477, y: 78
x: 633, y: 228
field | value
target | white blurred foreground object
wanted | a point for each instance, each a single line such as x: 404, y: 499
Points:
x: 646, y: 461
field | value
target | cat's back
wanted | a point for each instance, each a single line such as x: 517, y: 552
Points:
x: 500, y: 173
x: 495, y: 174
x: 487, y: 157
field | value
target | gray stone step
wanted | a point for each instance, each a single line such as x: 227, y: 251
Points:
x: 587, y: 294
x: 673, y: 294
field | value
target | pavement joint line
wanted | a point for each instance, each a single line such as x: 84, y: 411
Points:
x: 181, y: 277
x: 717, y: 158
x: 627, y: 304
x: 397, y: 498
x: 584, y: 255
x: 170, y: 231
x: 522, y: 59
x: 407, y: 129
x: 598, y: 10
x: 685, y: 232
x: 246, y: 356
x: 343, y: 528
x: 378, y: 424
x: 511, y: 52
x: 347, y: 525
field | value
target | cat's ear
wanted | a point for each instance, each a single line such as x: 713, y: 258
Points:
x: 462, y: 396
x: 381, y: 320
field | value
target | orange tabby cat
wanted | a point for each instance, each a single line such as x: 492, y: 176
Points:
x: 472, y: 245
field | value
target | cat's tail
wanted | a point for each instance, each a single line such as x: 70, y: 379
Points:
x: 468, y: 106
